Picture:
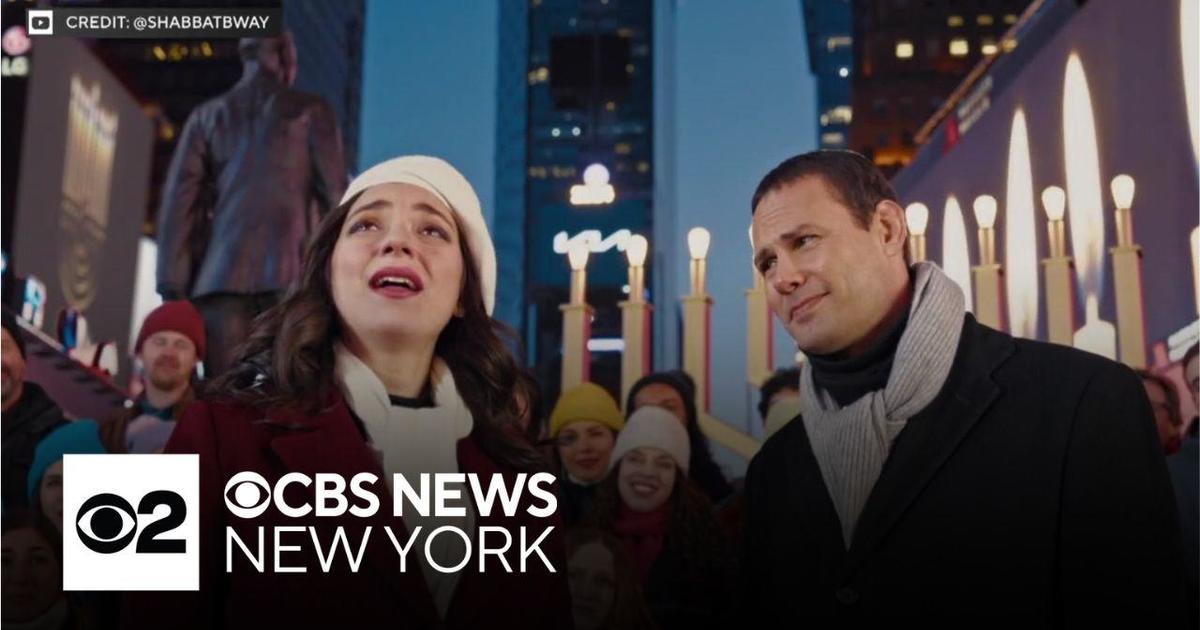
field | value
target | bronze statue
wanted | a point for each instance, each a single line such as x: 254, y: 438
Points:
x: 255, y: 169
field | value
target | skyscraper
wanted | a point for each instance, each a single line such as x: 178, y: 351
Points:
x: 909, y: 55
x: 589, y: 103
x: 828, y: 25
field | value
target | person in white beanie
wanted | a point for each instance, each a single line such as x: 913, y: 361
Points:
x: 666, y: 523
x: 384, y: 359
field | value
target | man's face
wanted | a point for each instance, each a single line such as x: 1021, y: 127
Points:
x: 12, y: 370
x: 169, y: 359
x: 829, y: 279
x: 1168, y: 433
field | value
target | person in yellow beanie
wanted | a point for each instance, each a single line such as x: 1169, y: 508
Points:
x: 584, y: 427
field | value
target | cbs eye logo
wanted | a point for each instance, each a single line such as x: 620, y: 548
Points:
x: 247, y: 495
x: 107, y: 523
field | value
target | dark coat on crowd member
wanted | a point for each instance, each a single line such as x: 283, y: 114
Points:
x: 231, y: 438
x: 25, y: 424
x: 703, y: 469
x: 1032, y: 492
x: 1184, y: 467
x: 574, y: 500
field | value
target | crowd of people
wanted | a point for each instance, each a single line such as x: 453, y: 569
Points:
x: 918, y: 465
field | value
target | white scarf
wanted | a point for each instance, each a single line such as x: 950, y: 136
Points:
x: 851, y: 443
x: 414, y: 441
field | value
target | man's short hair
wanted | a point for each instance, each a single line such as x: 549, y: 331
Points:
x: 783, y: 378
x: 1169, y: 389
x: 853, y: 179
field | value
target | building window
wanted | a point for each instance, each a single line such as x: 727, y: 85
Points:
x: 1010, y: 18
x: 838, y: 41
x: 833, y: 139
x: 824, y: 120
x: 983, y: 19
x: 539, y: 75
x: 959, y: 47
x: 840, y: 115
x: 954, y: 21
x: 904, y: 49
x: 988, y: 47
x: 1009, y: 44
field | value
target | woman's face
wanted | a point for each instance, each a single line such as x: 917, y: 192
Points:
x: 30, y: 579
x: 646, y: 478
x: 396, y: 269
x: 664, y: 396
x: 593, y: 582
x: 50, y: 494
x: 584, y: 447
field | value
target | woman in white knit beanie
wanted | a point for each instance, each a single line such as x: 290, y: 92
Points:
x: 384, y: 359
x: 666, y: 523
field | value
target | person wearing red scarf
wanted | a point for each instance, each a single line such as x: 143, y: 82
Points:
x: 665, y: 523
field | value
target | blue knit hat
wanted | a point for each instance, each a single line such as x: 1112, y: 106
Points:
x: 81, y: 437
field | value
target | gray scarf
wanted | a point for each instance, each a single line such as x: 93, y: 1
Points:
x: 851, y: 443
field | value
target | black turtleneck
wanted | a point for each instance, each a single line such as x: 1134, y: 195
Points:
x: 849, y: 378
x: 422, y: 401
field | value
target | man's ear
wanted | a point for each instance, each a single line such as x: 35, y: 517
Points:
x: 892, y: 227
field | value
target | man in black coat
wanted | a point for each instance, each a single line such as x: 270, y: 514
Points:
x: 254, y: 171
x: 940, y: 470
x: 28, y: 415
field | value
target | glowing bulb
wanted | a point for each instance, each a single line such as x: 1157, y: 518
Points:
x: 578, y: 255
x: 698, y: 239
x: 595, y: 175
x: 985, y: 211
x: 918, y: 218
x: 635, y: 250
x: 1122, y: 191
x: 1054, y: 200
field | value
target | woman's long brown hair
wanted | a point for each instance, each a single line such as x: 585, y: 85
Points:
x: 288, y: 360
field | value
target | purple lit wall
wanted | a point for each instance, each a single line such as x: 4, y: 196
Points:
x: 1131, y: 56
